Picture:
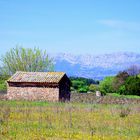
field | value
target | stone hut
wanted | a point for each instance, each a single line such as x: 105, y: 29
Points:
x: 49, y: 86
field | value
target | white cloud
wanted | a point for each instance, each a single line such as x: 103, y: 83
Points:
x: 119, y: 24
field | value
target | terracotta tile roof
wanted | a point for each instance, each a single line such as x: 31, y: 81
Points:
x: 39, y: 77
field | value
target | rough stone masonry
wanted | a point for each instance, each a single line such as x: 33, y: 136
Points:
x: 47, y: 86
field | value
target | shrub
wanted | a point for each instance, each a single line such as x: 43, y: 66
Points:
x: 3, y: 87
x: 122, y: 89
x: 81, y: 85
x: 106, y: 85
x: 132, y: 86
x: 3, y: 79
x: 83, y: 89
x: 93, y: 87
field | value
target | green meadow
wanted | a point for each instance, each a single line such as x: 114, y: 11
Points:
x: 24, y: 120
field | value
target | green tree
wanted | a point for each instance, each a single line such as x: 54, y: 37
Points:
x: 83, y: 89
x: 93, y: 87
x: 3, y: 85
x: 106, y: 85
x: 77, y: 84
x: 25, y: 59
x: 122, y: 89
x: 132, y: 86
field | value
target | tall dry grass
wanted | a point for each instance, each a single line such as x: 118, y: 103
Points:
x: 20, y: 120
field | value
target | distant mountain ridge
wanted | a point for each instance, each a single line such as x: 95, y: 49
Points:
x: 95, y: 66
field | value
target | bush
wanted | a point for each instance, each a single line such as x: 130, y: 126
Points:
x: 83, y: 89
x: 103, y: 92
x: 77, y: 84
x: 93, y: 87
x: 81, y: 85
x: 132, y: 86
x: 122, y: 89
x: 3, y: 85
x: 106, y: 86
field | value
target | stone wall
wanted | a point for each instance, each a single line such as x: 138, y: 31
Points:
x: 91, y: 98
x: 33, y: 93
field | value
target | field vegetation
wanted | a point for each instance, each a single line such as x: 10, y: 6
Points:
x: 76, y: 121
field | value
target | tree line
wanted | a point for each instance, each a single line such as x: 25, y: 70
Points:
x: 126, y: 82
x: 83, y: 85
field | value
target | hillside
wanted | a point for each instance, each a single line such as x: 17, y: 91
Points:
x: 95, y: 66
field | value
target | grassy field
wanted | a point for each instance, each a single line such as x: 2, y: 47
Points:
x: 23, y: 120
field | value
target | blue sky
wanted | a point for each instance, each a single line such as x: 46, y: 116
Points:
x: 71, y: 26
